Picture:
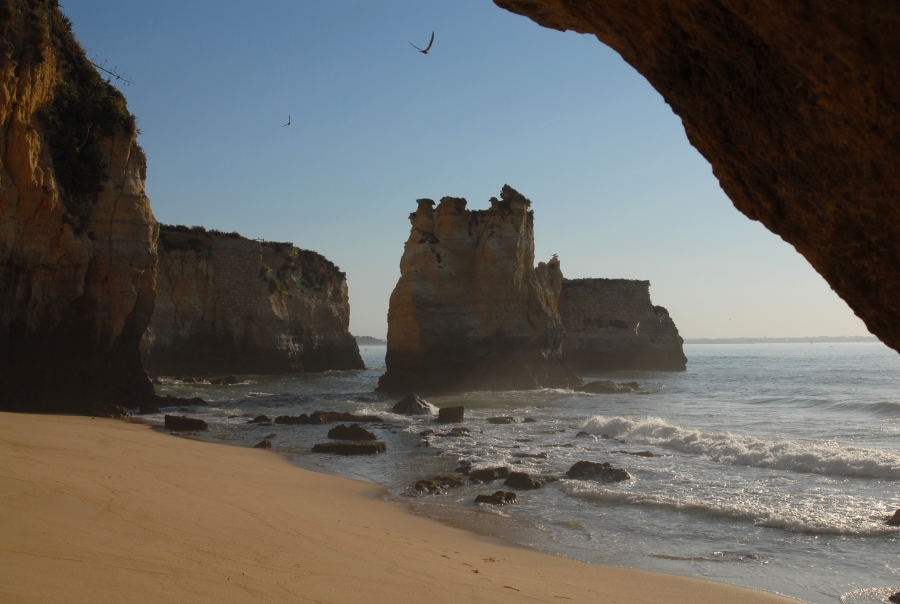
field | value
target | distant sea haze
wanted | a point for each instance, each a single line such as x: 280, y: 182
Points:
x: 812, y: 340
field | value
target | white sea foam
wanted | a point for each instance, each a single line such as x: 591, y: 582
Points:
x: 815, y: 457
x: 801, y: 520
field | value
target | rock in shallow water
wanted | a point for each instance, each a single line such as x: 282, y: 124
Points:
x: 264, y: 444
x: 893, y: 520
x: 351, y: 432
x: 599, y: 471
x: 414, y: 405
x: 350, y: 448
x: 443, y: 481
x: 326, y: 417
x: 181, y: 423
x: 451, y: 415
x: 501, y: 420
x: 522, y: 480
x: 488, y: 474
x: 609, y: 387
x: 498, y: 498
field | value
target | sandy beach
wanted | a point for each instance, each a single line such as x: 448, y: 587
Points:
x: 98, y: 510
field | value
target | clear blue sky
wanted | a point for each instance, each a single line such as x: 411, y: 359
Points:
x: 617, y: 189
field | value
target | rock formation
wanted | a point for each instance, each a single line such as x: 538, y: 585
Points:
x: 77, y: 237
x: 797, y: 107
x: 227, y: 304
x: 471, y: 311
x: 611, y: 324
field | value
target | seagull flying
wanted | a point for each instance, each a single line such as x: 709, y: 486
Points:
x: 424, y: 52
x: 289, y: 122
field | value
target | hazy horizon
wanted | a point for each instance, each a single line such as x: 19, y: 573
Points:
x: 618, y: 191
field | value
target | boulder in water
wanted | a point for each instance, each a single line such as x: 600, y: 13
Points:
x: 414, y: 405
x: 351, y: 432
x: 264, y: 444
x: 598, y: 471
x: 501, y: 420
x: 893, y: 520
x: 488, y: 474
x: 451, y: 415
x: 522, y: 480
x: 498, y: 498
x: 260, y: 419
x: 443, y: 481
x: 350, y: 448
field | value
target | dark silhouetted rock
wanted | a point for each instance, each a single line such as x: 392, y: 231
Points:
x: 439, y: 483
x: 260, y: 419
x: 894, y: 597
x: 414, y: 405
x: 524, y: 481
x: 180, y: 423
x: 488, y: 474
x: 498, y: 498
x: 597, y: 471
x: 501, y: 420
x: 894, y: 520
x: 351, y: 432
x: 583, y: 433
x: 451, y: 415
x: 529, y: 420
x: 148, y: 408
x: 543, y: 455
x: 265, y: 444
x: 101, y: 409
x: 350, y: 448
x: 456, y: 433
x: 224, y: 381
x: 609, y: 387
x: 426, y: 432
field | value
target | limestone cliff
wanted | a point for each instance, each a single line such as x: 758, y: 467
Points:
x: 611, y: 324
x: 797, y: 107
x: 471, y: 311
x: 77, y: 237
x: 227, y: 304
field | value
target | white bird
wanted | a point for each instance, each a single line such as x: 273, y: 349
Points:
x: 424, y: 52
x: 289, y: 122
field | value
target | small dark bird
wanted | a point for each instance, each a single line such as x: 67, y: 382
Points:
x: 424, y: 52
x: 289, y: 122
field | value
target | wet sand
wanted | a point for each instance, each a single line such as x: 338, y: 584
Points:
x: 98, y: 510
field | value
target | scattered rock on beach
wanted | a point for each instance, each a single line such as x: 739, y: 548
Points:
x: 228, y: 380
x: 894, y: 520
x: 181, y: 423
x: 351, y: 432
x: 501, y: 420
x: 451, y: 415
x: 264, y: 444
x: 443, y: 481
x: 498, y: 498
x: 350, y: 448
x: 414, y: 405
x: 609, y: 387
x: 599, y: 471
x: 488, y: 474
x: 522, y: 480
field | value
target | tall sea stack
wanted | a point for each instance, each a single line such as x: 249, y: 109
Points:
x: 77, y: 237
x: 471, y: 311
x: 228, y: 304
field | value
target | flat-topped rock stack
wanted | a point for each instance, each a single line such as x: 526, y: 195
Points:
x: 471, y: 311
x: 611, y: 324
x: 228, y: 304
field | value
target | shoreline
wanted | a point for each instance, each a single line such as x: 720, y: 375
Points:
x: 106, y: 510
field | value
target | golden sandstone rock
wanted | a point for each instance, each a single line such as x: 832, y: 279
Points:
x: 471, y: 311
x: 77, y: 237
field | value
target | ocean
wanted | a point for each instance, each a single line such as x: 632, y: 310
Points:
x: 774, y: 465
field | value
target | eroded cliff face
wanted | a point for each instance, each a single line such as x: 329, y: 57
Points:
x: 611, y: 324
x: 227, y: 304
x: 77, y: 237
x: 797, y: 107
x: 471, y: 311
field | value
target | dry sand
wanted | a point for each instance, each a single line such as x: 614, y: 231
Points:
x: 96, y: 510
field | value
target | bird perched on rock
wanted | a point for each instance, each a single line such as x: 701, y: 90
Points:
x: 427, y: 49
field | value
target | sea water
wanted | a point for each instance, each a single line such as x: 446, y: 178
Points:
x: 774, y: 465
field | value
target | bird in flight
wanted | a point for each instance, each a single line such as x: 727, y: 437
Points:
x: 289, y: 122
x: 427, y: 49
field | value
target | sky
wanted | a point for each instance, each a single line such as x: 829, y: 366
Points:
x: 617, y: 190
